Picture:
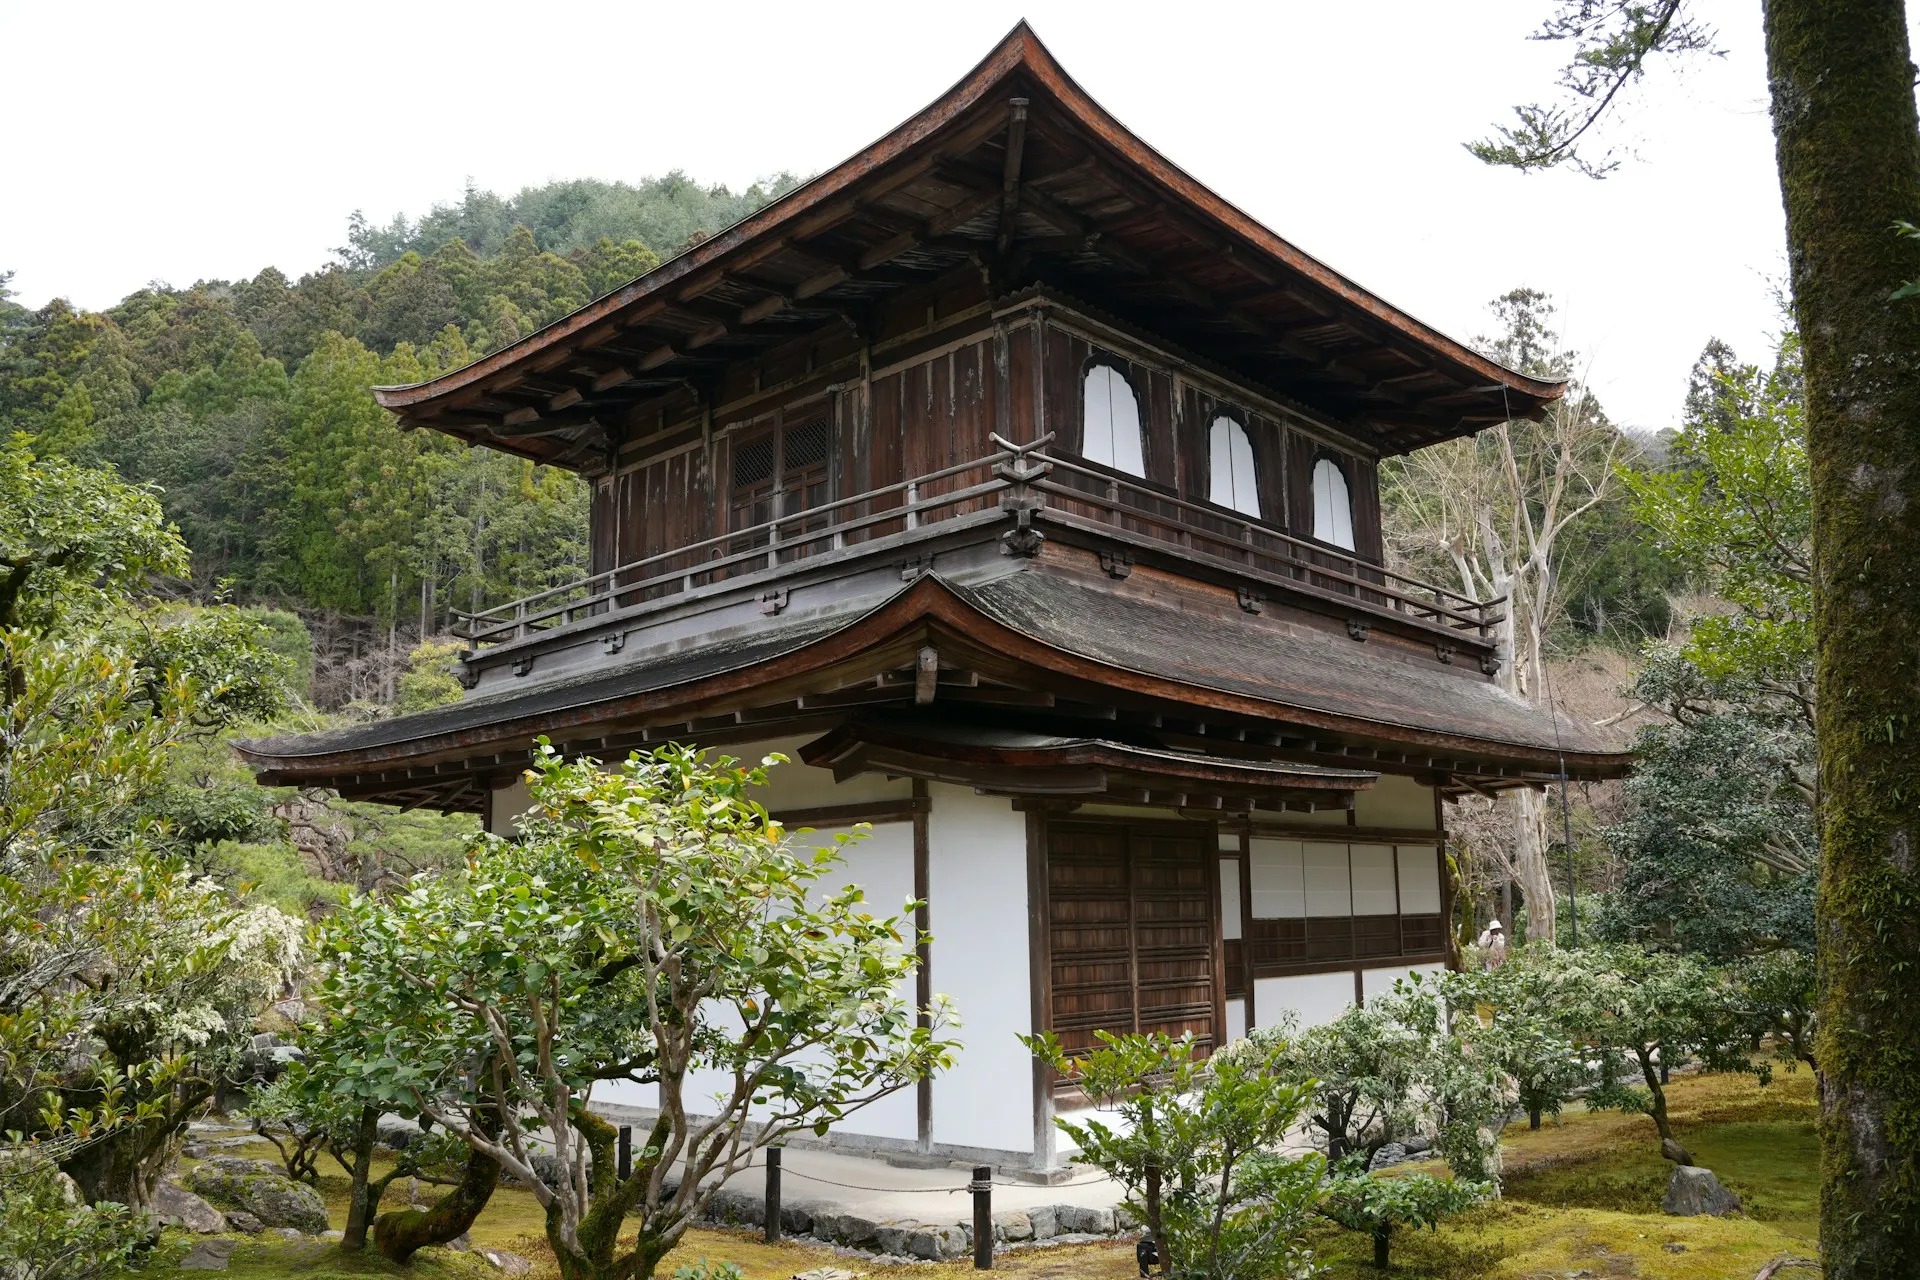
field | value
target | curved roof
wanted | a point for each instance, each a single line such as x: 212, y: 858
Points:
x: 1018, y: 172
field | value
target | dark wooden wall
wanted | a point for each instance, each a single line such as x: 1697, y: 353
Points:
x: 946, y: 377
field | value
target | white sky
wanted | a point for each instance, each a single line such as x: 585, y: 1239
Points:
x: 186, y: 141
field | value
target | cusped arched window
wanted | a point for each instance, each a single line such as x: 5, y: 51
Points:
x: 1332, y: 505
x: 1110, y: 432
x: 1231, y: 476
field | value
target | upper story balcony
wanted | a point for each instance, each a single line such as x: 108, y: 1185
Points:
x: 1020, y: 495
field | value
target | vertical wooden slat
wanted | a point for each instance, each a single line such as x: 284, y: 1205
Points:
x: 923, y: 975
x: 1040, y: 982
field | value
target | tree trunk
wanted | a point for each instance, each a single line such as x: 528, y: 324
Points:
x: 1533, y: 1117
x: 1848, y: 145
x: 1155, y: 1225
x: 1657, y: 1107
x: 1382, y: 1246
x: 360, y: 1206
x: 397, y: 1235
x: 1530, y: 857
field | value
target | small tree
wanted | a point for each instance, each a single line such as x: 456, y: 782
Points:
x: 1364, y: 1064
x: 1379, y: 1205
x: 1777, y: 995
x: 1652, y: 1008
x: 1519, y: 1013
x: 1199, y: 1150
x: 650, y: 926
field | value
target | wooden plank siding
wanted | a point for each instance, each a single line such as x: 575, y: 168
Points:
x: 934, y: 401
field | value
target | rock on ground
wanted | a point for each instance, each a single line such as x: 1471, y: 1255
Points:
x: 510, y: 1263
x: 261, y: 1190
x: 241, y: 1220
x: 936, y: 1244
x: 1045, y: 1221
x: 208, y: 1255
x: 176, y: 1206
x: 1693, y: 1191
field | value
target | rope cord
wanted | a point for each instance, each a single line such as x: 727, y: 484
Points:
x: 786, y: 1172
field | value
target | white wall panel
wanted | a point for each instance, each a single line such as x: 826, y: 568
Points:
x: 1316, y: 998
x: 1236, y: 1019
x: 1277, y: 873
x: 1394, y: 801
x: 1379, y: 982
x: 1419, y: 879
x: 509, y: 802
x: 977, y: 906
x: 1230, y: 899
x: 1373, y: 892
x: 1329, y: 881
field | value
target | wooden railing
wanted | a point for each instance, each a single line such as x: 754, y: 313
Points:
x: 1012, y: 478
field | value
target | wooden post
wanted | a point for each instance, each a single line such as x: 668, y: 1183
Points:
x: 982, y: 1188
x: 773, y: 1195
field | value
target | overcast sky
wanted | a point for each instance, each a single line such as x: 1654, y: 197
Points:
x: 186, y: 141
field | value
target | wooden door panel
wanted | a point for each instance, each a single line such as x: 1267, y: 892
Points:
x: 1131, y: 932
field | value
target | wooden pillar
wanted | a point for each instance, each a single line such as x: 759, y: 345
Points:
x: 923, y: 925
x: 1040, y: 983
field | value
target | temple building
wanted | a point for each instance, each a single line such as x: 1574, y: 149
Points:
x: 1025, y: 494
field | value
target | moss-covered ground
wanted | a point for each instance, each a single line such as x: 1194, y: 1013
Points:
x: 1582, y: 1199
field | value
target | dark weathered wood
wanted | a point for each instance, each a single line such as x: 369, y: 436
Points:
x: 923, y: 928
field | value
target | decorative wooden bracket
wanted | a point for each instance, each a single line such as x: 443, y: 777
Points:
x: 1118, y: 564
x: 773, y: 601
x: 466, y: 673
x: 1358, y: 629
x: 1490, y: 664
x: 926, y: 675
x: 523, y: 664
x: 1444, y: 652
x: 1252, y: 601
x: 613, y: 642
x: 914, y: 569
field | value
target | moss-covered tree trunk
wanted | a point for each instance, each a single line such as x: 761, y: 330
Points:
x: 399, y: 1235
x: 360, y: 1205
x: 1849, y: 156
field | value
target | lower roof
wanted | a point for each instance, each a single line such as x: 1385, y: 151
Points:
x: 1052, y: 630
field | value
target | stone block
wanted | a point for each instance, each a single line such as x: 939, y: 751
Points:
x: 1077, y: 1220
x: 1045, y: 1220
x: 936, y: 1244
x: 855, y: 1231
x: 891, y: 1237
x: 1011, y: 1225
x: 208, y: 1255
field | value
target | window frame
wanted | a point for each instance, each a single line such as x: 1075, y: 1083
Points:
x: 1239, y: 419
x: 1339, y: 466
x: 1122, y: 369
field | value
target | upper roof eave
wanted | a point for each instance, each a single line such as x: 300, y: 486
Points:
x: 1021, y: 52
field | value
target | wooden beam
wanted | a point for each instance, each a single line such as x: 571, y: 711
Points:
x: 1010, y: 175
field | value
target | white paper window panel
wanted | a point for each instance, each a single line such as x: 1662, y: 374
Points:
x: 1419, y: 880
x: 1329, y: 884
x: 1276, y: 874
x: 1373, y: 893
x: 1110, y: 431
x: 1229, y: 842
x: 1230, y: 898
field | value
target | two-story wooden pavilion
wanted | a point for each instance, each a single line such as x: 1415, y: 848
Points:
x: 1024, y: 492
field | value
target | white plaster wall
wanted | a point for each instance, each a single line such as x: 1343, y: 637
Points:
x: 1394, y: 801
x: 1379, y: 982
x: 509, y: 802
x: 795, y: 785
x: 977, y: 913
x: 881, y: 863
x: 1316, y: 998
x: 1236, y: 1019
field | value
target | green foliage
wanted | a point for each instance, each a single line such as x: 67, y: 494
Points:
x: 1778, y: 996
x: 1199, y: 1148
x: 1379, y: 1206
x: 1734, y: 507
x: 1715, y: 849
x: 650, y: 923
x: 429, y: 681
x: 48, y: 1234
x: 704, y: 1270
x: 1654, y: 1010
x: 1365, y: 1063
x: 565, y: 218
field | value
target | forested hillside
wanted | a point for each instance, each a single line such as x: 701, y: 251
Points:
x: 245, y: 402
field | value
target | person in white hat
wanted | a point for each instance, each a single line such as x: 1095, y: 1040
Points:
x: 1493, y: 946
